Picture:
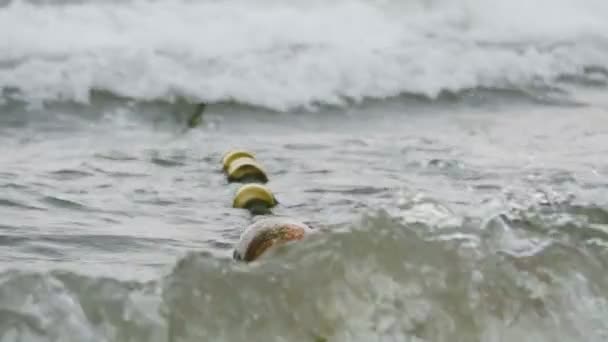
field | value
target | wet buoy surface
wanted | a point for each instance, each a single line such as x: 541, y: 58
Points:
x: 233, y: 155
x: 267, y: 232
x: 254, y: 196
x: 246, y: 170
x: 241, y: 166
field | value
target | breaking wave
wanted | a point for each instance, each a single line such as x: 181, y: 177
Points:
x: 297, y: 54
x: 522, y: 275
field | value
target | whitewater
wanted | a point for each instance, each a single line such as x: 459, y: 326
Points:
x: 291, y: 54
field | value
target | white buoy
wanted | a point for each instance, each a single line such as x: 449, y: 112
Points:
x: 266, y: 232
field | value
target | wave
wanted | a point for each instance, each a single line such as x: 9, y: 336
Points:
x: 296, y: 54
x: 381, y: 280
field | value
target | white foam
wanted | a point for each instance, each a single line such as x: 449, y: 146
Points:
x: 282, y: 54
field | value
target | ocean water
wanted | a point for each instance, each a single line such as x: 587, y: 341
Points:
x: 453, y: 155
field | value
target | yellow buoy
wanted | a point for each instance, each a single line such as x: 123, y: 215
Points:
x: 246, y: 169
x: 234, y: 155
x: 254, y: 195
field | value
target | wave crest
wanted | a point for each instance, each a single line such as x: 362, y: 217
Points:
x: 381, y: 280
x: 295, y: 54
